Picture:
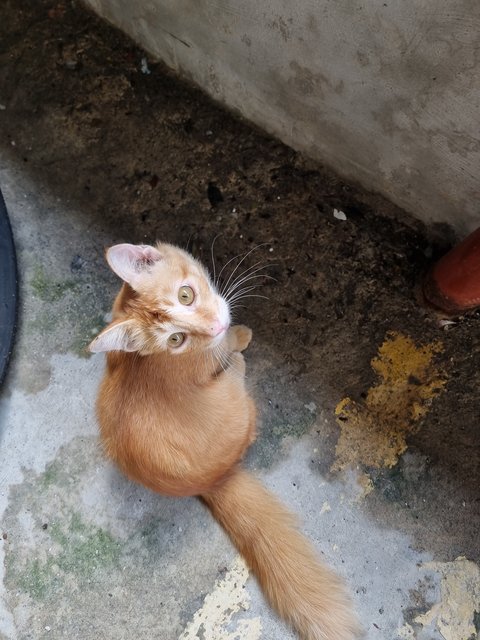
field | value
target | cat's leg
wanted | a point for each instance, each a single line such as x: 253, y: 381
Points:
x: 238, y: 337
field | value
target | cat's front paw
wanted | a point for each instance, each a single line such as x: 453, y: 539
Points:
x: 242, y: 336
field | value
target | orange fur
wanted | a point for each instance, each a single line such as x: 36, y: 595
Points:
x: 179, y: 424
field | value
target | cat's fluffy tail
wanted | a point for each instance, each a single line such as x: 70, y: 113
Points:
x: 303, y: 591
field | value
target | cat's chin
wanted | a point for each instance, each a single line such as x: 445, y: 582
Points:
x: 218, y: 338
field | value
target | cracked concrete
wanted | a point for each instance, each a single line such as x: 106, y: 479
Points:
x: 103, y: 152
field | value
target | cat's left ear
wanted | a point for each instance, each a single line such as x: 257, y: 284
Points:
x: 118, y: 336
x: 130, y: 260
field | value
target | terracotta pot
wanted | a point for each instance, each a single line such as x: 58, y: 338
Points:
x: 453, y: 283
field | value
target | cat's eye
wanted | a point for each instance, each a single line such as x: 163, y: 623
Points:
x: 176, y: 339
x: 186, y: 295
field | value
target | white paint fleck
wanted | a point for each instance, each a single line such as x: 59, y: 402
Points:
x: 228, y: 597
x: 405, y: 632
x: 339, y: 215
x: 460, y: 599
x: 325, y: 508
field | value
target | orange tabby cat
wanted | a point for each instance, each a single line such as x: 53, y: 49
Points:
x: 175, y: 415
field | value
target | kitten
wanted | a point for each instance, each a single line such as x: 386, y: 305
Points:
x: 175, y: 416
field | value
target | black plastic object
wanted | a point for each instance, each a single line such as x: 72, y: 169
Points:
x: 8, y: 289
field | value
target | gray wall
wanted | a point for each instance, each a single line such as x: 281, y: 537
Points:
x: 385, y: 92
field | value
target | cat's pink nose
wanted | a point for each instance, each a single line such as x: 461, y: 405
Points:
x: 216, y: 329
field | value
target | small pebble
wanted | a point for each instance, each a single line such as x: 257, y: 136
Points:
x: 339, y: 215
x: 144, y: 66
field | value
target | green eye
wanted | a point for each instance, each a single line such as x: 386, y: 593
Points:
x: 186, y: 295
x: 176, y: 339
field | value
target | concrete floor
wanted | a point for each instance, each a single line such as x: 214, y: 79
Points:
x: 368, y: 404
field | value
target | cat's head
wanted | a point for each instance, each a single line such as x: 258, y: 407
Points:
x: 173, y: 305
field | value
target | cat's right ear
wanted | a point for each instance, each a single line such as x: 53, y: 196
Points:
x: 118, y: 336
x: 131, y: 260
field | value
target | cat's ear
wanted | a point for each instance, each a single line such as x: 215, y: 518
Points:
x: 130, y: 260
x: 118, y: 336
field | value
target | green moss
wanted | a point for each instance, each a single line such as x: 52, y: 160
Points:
x: 56, y: 533
x: 49, y: 290
x: 83, y: 329
x: 50, y: 475
x: 36, y: 579
x: 83, y: 550
x: 86, y: 328
x: 87, y: 552
x: 291, y: 422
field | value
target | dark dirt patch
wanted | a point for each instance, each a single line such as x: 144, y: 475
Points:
x: 145, y: 157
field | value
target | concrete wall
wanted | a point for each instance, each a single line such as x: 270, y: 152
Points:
x: 385, y: 92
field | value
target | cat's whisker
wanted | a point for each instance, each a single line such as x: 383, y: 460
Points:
x: 213, y: 258
x: 226, y: 359
x: 231, y: 283
x: 220, y: 358
x: 253, y: 267
x: 234, y: 310
x: 226, y: 265
x: 233, y: 313
x: 224, y: 355
x: 187, y: 246
x: 240, y: 292
x: 238, y: 256
x: 241, y: 261
x: 250, y: 285
x: 247, y: 270
x: 222, y: 352
x: 253, y: 295
x: 212, y: 362
x: 246, y: 277
x: 250, y: 276
x: 254, y: 273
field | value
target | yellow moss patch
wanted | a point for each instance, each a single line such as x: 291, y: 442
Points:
x: 374, y: 433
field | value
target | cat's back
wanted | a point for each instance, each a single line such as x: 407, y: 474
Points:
x: 142, y: 415
x: 138, y: 401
